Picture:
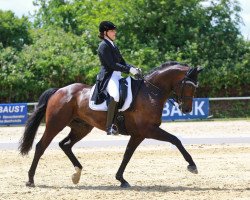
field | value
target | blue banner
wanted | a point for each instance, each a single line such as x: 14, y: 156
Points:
x: 200, y: 110
x: 13, y: 114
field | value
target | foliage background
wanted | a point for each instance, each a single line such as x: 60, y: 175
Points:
x: 58, y: 47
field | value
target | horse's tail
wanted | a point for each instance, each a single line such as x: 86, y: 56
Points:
x: 34, y: 121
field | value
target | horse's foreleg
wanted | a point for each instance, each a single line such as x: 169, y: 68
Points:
x: 131, y: 147
x: 66, y: 145
x: 159, y: 134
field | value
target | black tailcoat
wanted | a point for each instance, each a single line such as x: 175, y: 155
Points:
x: 109, y: 56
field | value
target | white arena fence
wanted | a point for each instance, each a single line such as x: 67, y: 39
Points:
x: 229, y: 107
x: 215, y: 108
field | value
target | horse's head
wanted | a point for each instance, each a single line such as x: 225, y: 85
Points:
x: 181, y: 79
x: 185, y: 89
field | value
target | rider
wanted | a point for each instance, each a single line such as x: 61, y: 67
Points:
x: 112, y: 64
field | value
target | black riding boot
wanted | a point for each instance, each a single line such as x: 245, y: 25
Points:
x: 112, y: 110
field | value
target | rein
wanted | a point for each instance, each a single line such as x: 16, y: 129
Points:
x: 141, y: 76
x: 159, y: 90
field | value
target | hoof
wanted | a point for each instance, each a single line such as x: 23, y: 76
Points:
x: 193, y: 169
x: 125, y: 185
x: 76, y: 176
x: 29, y: 184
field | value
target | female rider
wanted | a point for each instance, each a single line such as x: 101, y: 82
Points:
x: 112, y: 64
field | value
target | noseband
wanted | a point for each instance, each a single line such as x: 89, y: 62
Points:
x: 182, y: 84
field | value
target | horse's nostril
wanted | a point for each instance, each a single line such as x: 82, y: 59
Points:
x: 187, y: 110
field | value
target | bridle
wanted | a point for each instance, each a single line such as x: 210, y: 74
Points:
x: 182, y: 84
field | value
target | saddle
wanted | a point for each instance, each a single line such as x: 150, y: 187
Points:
x: 128, y: 90
x: 123, y: 92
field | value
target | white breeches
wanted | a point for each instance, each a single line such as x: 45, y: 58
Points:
x: 113, y: 85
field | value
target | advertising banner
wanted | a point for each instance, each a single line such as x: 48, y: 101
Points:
x: 17, y: 113
x: 13, y: 114
x: 200, y: 110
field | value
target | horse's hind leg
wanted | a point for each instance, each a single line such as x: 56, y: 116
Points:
x: 40, y: 148
x: 54, y: 124
x: 78, y: 131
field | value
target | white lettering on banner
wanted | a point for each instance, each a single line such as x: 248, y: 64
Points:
x: 197, y: 110
x: 166, y: 111
x: 11, y: 109
x: 13, y: 116
x: 175, y: 110
x: 12, y: 121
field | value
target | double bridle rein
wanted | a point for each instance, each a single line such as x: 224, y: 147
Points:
x: 182, y: 84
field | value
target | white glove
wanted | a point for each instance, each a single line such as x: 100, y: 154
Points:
x: 134, y: 71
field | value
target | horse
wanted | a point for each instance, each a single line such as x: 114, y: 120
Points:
x: 68, y: 106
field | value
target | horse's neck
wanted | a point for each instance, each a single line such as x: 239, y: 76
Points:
x: 161, y: 81
x: 166, y: 79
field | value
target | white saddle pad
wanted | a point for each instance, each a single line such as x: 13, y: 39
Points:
x: 103, y: 106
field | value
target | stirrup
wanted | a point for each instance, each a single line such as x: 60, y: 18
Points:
x: 113, y: 130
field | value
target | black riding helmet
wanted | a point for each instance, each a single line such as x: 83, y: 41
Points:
x: 106, y: 26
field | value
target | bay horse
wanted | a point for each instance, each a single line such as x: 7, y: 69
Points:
x: 69, y: 106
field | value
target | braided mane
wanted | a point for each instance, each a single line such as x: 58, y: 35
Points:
x: 165, y: 65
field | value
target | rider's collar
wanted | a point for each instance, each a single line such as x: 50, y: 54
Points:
x: 106, y: 38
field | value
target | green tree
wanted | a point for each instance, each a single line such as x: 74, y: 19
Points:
x: 8, y: 59
x: 55, y: 59
x: 199, y: 34
x: 187, y: 28
x: 149, y: 33
x: 80, y: 16
x: 14, y: 32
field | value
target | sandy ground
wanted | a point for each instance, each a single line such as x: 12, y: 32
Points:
x: 155, y: 172
x: 182, y: 129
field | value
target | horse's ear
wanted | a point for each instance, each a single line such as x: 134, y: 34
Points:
x: 199, y: 69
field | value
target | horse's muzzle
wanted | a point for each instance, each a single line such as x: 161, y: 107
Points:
x: 185, y: 109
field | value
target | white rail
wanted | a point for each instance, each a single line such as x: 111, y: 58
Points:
x: 228, y: 98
